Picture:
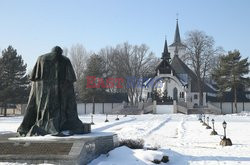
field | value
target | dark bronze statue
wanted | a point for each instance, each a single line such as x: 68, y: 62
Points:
x: 52, y: 105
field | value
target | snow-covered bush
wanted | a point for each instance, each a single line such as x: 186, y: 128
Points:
x: 133, y: 144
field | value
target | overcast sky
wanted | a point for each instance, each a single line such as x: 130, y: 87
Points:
x: 33, y: 27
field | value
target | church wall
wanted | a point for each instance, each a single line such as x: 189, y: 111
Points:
x: 164, y: 109
x: 171, y: 85
x: 145, y: 94
x: 195, y: 101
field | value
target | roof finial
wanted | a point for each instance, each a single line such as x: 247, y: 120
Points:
x: 177, y: 16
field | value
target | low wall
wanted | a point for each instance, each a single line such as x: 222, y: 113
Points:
x: 228, y: 107
x: 164, y: 109
x: 100, y: 108
x: 82, y: 108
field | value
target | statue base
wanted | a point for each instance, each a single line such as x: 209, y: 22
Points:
x: 77, y: 149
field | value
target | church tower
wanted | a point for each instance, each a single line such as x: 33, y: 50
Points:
x: 177, y: 47
x: 164, y: 67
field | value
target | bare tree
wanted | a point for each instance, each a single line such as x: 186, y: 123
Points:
x: 131, y: 62
x: 200, y: 55
x: 65, y: 51
x: 79, y: 56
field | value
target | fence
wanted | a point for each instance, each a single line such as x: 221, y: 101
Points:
x: 228, y: 107
x: 98, y: 108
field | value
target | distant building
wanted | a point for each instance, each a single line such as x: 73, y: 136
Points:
x: 175, y: 83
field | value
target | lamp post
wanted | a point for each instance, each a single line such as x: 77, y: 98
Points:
x: 200, y: 117
x: 106, y: 118
x: 204, y: 122
x: 224, y: 124
x: 117, y: 118
x: 92, y: 121
x: 225, y: 141
x: 213, y: 132
x: 208, y: 127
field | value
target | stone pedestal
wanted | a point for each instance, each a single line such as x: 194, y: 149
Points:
x: 77, y: 149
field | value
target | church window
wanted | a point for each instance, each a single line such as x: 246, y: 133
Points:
x: 182, y: 94
x: 195, y: 96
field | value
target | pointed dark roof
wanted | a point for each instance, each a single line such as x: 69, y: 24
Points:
x: 165, y: 53
x: 177, y: 37
x: 181, y: 68
x: 164, y: 66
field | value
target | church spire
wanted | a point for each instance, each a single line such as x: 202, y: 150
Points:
x: 165, y: 54
x: 177, y: 38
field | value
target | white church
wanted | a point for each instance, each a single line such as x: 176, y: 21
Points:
x: 175, y: 86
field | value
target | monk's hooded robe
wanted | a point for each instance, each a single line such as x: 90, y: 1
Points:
x: 52, y: 105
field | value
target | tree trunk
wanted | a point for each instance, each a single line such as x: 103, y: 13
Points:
x: 201, y: 98
x: 200, y: 91
x: 235, y: 99
x: 93, y: 106
x: 5, y: 110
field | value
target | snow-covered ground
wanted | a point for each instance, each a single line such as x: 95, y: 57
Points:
x: 181, y: 137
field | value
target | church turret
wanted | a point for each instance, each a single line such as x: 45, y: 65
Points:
x: 165, y: 53
x: 164, y: 67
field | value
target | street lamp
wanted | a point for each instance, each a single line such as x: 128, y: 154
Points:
x: 213, y: 132
x: 224, y: 124
x: 117, y: 118
x: 92, y: 121
x: 208, y: 127
x: 225, y: 141
x: 106, y: 118
x: 200, y: 118
x: 204, y: 123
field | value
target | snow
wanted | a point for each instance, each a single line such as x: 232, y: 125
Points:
x: 125, y: 156
x: 181, y: 137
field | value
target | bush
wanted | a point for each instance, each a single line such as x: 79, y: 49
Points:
x: 133, y: 144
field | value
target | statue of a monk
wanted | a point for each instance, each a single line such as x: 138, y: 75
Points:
x: 52, y: 105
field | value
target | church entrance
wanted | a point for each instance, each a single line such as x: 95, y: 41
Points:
x: 161, y: 92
